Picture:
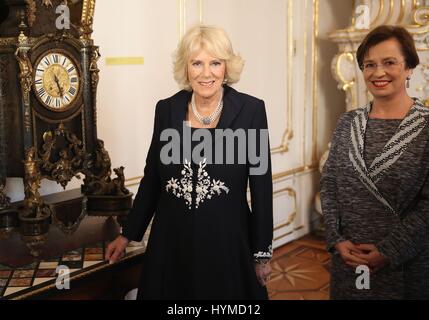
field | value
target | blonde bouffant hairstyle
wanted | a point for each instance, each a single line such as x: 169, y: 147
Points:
x: 216, y: 42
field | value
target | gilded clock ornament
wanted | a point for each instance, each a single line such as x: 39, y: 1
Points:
x: 31, y: 12
x: 26, y: 70
x: 4, y: 200
x: 47, y: 3
x: 69, y: 157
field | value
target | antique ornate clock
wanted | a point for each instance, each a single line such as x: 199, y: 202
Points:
x: 56, y: 80
x: 48, y: 84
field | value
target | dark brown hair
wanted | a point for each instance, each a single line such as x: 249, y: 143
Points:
x: 386, y: 32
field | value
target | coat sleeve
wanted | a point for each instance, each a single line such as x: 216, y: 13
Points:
x: 407, y: 238
x: 146, y: 200
x: 329, y: 191
x: 261, y: 190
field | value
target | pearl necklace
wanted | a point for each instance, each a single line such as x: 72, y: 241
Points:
x: 211, y: 118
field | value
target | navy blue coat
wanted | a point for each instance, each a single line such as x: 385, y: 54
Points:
x: 203, y: 249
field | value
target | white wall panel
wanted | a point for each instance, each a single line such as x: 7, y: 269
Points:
x: 128, y: 93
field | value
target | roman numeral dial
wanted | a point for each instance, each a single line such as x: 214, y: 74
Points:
x: 56, y: 81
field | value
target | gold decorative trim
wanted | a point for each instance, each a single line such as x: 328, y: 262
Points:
x: 344, y: 84
x: 389, y: 14
x: 380, y: 10
x: 288, y: 190
x: 78, y: 112
x: 4, y: 199
x: 131, y: 184
x: 294, y: 171
x: 94, y: 71
x: 33, y: 203
x: 70, y: 156
x: 304, y: 140
x: 200, y: 9
x: 31, y: 12
x: 26, y: 73
x: 7, y: 41
x: 88, y: 9
x: 133, y: 181
x: 35, y: 243
x: 288, y: 133
x: 315, y: 79
x: 182, y: 18
x: 421, y: 17
x: 25, y: 78
x: 352, y: 34
x: 287, y: 233
x: 401, y: 12
x: 353, y: 23
x: 134, y: 178
x: 87, y: 19
x: 291, y: 217
x: 47, y: 3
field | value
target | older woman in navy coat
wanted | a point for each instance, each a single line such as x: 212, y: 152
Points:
x: 205, y: 241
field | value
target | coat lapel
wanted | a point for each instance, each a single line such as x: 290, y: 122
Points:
x: 232, y: 105
x: 179, y: 108
x: 407, y: 131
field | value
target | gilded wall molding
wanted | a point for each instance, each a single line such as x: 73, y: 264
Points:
x: 314, y: 66
x: 290, y: 217
x: 343, y: 68
x: 182, y: 15
x: 288, y: 132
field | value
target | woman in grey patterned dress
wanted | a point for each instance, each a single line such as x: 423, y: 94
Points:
x: 375, y: 186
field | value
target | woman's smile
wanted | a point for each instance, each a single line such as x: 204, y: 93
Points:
x: 206, y: 83
x: 380, y: 83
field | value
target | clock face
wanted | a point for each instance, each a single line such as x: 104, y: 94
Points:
x: 56, y: 81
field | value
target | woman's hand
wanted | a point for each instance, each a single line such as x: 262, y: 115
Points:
x: 375, y: 259
x: 116, y: 249
x: 350, y: 252
x: 263, y: 271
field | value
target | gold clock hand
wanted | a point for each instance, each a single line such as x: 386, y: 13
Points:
x: 58, y: 85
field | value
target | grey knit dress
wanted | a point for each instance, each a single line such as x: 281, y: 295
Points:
x: 375, y: 189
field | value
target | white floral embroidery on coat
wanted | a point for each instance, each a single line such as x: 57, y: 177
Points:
x: 264, y: 254
x: 205, y: 187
